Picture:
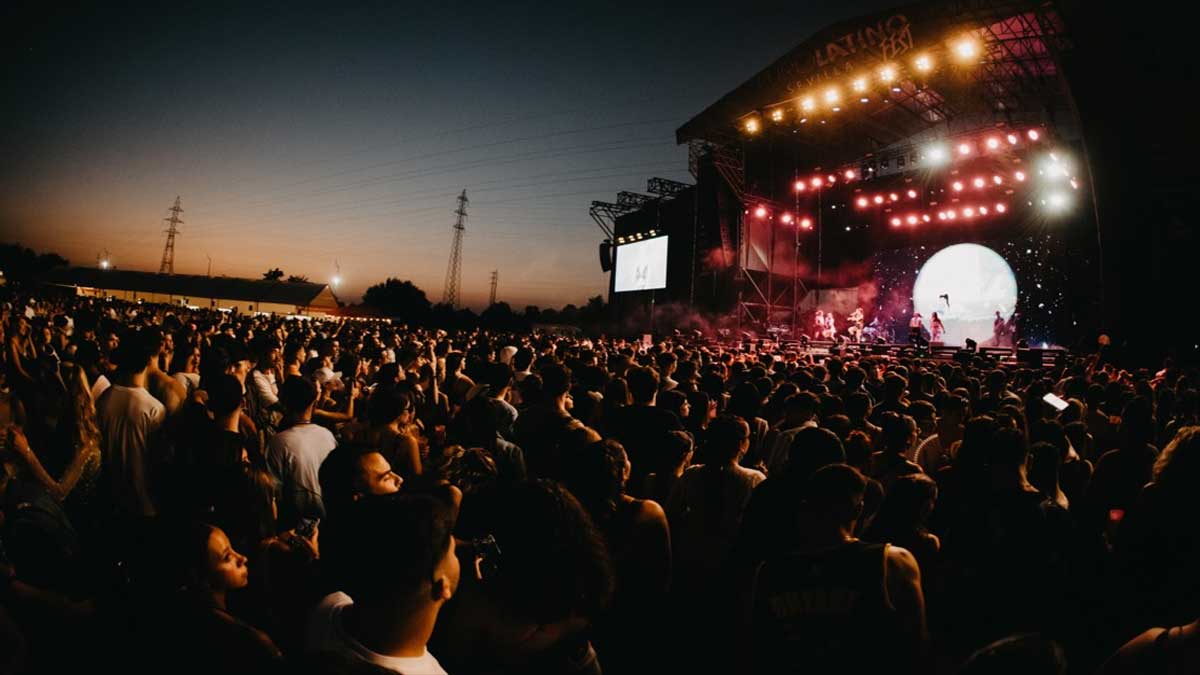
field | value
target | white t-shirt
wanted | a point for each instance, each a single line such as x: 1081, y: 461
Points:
x: 99, y: 387
x: 294, y: 456
x: 326, y: 634
x: 128, y: 418
x: 190, y: 382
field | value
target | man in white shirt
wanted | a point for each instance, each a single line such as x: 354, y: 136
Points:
x: 295, y: 454
x: 129, y: 419
x: 397, y: 568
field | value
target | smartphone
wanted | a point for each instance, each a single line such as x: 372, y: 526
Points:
x: 1059, y: 404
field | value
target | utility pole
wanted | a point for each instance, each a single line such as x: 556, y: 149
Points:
x: 168, y: 259
x: 209, y: 263
x: 495, y: 279
x: 454, y: 269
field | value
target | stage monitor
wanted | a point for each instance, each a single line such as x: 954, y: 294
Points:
x: 641, y: 266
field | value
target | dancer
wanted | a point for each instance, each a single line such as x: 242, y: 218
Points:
x: 915, y: 328
x: 819, y: 324
x: 936, y: 329
x: 855, y: 329
x: 830, y: 327
x: 999, y: 330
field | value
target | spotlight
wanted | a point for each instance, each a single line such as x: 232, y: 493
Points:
x: 968, y: 212
x: 859, y: 84
x: 979, y: 182
x: 926, y: 218
x: 896, y: 222
x: 993, y: 143
x: 997, y: 180
x: 808, y: 104
x: 850, y: 174
x: 887, y: 74
x: 862, y: 202
x: 777, y: 115
x: 937, y: 154
x: 1057, y: 201
x: 941, y: 215
x: 951, y: 215
x: 786, y: 218
x: 894, y: 197
x: 1074, y: 184
x: 103, y: 264
x: 806, y: 223
x: 831, y: 178
x: 878, y: 199
x: 912, y: 194
x: 913, y: 220
x: 816, y: 182
x: 1019, y: 176
x: 752, y: 126
x: 983, y: 211
x: 1012, y: 139
x: 336, y: 280
x: 923, y: 63
x: 1033, y: 134
x: 800, y: 186
x: 966, y: 49
x: 1001, y: 208
x: 958, y: 186
x: 832, y: 95
x: 964, y: 149
x: 761, y: 212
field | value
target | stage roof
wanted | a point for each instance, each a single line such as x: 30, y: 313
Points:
x: 1013, y: 78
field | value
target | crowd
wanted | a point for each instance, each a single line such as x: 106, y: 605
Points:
x: 210, y: 492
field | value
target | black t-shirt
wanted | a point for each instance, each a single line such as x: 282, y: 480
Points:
x: 642, y: 430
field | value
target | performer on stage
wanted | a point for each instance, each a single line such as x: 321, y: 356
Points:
x: 936, y: 329
x: 830, y: 327
x: 874, y: 329
x: 999, y: 330
x: 855, y: 329
x: 819, y: 325
x: 1010, y: 328
x: 915, y: 327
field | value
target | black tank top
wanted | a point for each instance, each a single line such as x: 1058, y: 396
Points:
x: 825, y: 612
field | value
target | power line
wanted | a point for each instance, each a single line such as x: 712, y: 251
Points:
x: 167, y: 266
x: 454, y: 269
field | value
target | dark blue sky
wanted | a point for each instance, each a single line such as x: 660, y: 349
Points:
x: 302, y: 134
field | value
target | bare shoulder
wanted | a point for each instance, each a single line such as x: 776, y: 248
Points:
x: 901, y: 562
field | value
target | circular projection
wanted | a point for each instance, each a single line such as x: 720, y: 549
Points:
x: 966, y: 284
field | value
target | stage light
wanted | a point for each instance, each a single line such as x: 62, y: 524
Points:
x: 993, y: 143
x: 1001, y: 208
x: 937, y: 154
x: 1012, y: 139
x: 951, y: 215
x: 896, y: 222
x: 832, y: 95
x: 878, y: 199
x: 864, y: 100
x: 968, y: 212
x: 964, y: 149
x: 894, y: 197
x: 1074, y: 184
x: 926, y: 218
x: 831, y: 178
x: 1033, y: 134
x: 1019, y: 176
x: 958, y: 186
x: 887, y: 74
x: 786, y: 218
x: 983, y: 211
x: 808, y: 104
x: 800, y: 186
x: 923, y: 63
x: 752, y: 126
x: 1057, y: 201
x: 913, y: 220
x: 979, y: 182
x: 806, y: 223
x: 912, y: 194
x: 777, y: 115
x: 850, y: 174
x: 966, y: 49
x: 336, y: 280
x: 816, y: 182
x: 761, y: 212
x: 103, y: 264
x: 941, y: 215
x: 859, y: 84
x: 997, y: 180
x: 862, y: 202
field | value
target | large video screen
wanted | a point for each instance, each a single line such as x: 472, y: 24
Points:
x: 641, y: 266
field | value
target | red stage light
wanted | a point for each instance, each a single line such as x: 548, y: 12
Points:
x: 1000, y: 208
x: 993, y: 143
x: 800, y: 186
x: 896, y: 222
x: 913, y: 220
x: 964, y: 149
x: 983, y: 210
x: 951, y: 215
x: 831, y: 178
x: 1034, y: 135
x: 816, y: 182
x: 786, y: 218
x: 761, y: 212
x: 958, y: 186
x: 1020, y: 176
x: 912, y: 194
x: 941, y: 215
x: 894, y: 197
x: 979, y: 182
x: 862, y: 202
x: 850, y: 175
x: 1012, y: 139
x: 878, y: 199
x: 806, y: 223
x: 926, y: 218
x: 968, y: 212
x: 997, y: 180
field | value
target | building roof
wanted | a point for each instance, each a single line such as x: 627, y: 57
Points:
x: 301, y: 294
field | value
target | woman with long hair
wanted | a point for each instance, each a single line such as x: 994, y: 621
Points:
x: 903, y: 519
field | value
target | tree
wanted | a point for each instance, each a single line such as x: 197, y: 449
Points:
x: 21, y: 265
x: 401, y: 299
x: 297, y: 279
x: 274, y: 274
x: 499, y: 315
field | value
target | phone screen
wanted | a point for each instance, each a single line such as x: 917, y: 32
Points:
x: 1055, y: 401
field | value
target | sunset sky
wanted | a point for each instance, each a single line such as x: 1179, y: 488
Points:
x: 304, y: 134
